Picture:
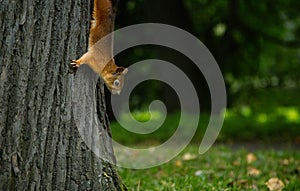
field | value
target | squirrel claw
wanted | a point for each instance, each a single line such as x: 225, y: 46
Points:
x: 74, y: 63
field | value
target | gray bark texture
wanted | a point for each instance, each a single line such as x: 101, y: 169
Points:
x: 40, y: 145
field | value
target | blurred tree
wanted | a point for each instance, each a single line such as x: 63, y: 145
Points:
x: 256, y: 44
x: 237, y: 30
x: 168, y: 12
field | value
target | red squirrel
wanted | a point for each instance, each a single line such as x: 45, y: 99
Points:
x: 99, y: 55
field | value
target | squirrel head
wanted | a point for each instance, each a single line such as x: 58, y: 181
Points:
x: 114, y: 79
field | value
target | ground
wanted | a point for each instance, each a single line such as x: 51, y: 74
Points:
x: 222, y: 168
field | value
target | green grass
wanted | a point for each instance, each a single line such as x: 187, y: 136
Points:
x: 221, y: 168
x: 241, y: 124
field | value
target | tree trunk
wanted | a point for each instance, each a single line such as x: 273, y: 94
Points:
x: 40, y: 145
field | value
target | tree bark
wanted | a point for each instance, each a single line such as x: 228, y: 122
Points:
x: 40, y: 146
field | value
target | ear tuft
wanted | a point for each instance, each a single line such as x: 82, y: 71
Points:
x: 125, y: 71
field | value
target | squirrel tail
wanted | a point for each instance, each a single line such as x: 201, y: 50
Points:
x: 103, y: 20
x: 102, y: 9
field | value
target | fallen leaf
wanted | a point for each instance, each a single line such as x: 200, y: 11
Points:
x: 198, y: 173
x: 251, y: 158
x: 285, y: 162
x: 189, y: 156
x: 237, y: 162
x: 275, y: 184
x: 251, y: 171
x: 178, y: 163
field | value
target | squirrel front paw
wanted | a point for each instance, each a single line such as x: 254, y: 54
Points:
x: 75, y: 63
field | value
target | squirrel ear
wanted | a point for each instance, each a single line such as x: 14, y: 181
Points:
x: 120, y: 70
x: 125, y: 71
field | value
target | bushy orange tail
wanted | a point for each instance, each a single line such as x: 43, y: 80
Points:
x: 103, y: 20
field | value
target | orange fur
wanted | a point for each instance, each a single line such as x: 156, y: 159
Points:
x: 103, y: 22
x: 99, y: 56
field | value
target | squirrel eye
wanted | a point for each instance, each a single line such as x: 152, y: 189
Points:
x: 116, y: 83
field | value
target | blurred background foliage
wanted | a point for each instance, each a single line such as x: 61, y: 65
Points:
x: 257, y: 47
